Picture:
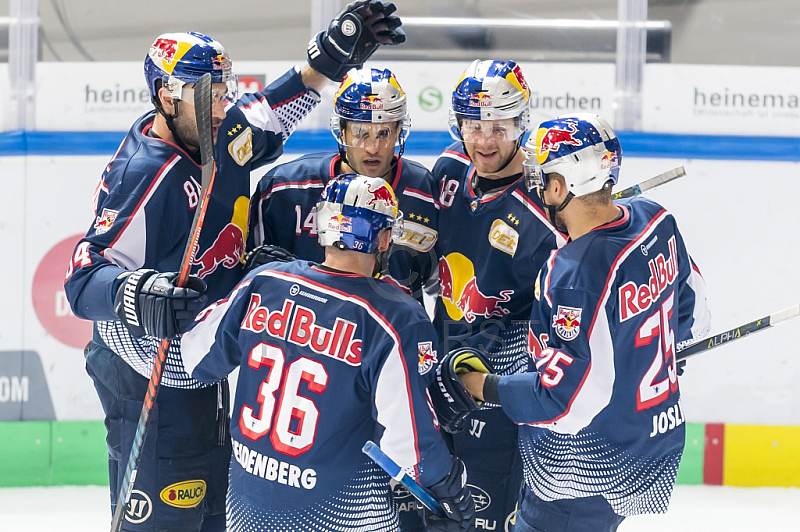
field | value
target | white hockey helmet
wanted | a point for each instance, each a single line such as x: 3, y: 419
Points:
x: 582, y: 148
x: 352, y: 211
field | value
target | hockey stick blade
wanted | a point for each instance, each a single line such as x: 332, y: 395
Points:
x: 397, y: 473
x: 739, y: 332
x: 202, y: 101
x: 649, y: 184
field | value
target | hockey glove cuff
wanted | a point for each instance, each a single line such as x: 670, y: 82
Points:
x: 149, y: 303
x: 456, y: 500
x: 451, y: 400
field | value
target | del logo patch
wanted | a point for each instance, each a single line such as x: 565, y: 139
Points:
x: 186, y: 494
x: 104, y: 222
x: 427, y: 357
x: 567, y: 322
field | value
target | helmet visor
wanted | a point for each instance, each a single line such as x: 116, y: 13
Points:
x: 364, y: 135
x: 220, y: 91
x: 533, y: 175
x: 473, y: 131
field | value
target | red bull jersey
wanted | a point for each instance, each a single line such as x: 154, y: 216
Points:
x: 145, y: 204
x: 283, y: 213
x: 490, y: 249
x: 326, y: 362
x: 600, y: 411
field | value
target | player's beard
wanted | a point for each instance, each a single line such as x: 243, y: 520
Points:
x: 505, y: 152
x: 186, y: 127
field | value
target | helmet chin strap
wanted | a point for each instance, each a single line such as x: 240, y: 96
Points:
x: 170, y: 124
x: 552, y: 209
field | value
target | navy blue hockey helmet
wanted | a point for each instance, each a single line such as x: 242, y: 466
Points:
x: 180, y: 58
x: 352, y: 211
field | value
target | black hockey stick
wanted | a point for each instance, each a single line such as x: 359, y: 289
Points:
x: 742, y: 330
x: 647, y: 184
x: 202, y: 109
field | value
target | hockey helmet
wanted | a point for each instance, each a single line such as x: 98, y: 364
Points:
x: 370, y: 96
x: 582, y: 148
x: 490, y: 90
x: 180, y: 58
x: 352, y: 211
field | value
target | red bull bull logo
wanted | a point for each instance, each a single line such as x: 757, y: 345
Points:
x: 567, y: 322
x: 164, y: 49
x: 105, y: 221
x: 427, y: 357
x: 226, y: 250
x: 383, y: 195
x: 473, y: 302
x: 553, y: 138
x: 371, y: 102
x: 481, y: 99
x: 445, y: 280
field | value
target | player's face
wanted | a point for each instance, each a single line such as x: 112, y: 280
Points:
x: 186, y: 123
x: 370, y: 147
x: 490, y: 143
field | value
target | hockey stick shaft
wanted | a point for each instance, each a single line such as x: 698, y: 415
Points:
x: 202, y: 106
x: 648, y: 184
x: 397, y: 473
x: 739, y: 332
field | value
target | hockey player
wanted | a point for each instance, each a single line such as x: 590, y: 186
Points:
x: 492, y: 233
x: 326, y: 363
x: 144, y: 205
x: 600, y: 418
x: 370, y: 119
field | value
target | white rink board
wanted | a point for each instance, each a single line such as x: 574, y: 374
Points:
x: 739, y: 219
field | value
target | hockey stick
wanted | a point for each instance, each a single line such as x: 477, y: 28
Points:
x: 742, y: 330
x: 202, y: 109
x: 647, y: 184
x: 397, y: 473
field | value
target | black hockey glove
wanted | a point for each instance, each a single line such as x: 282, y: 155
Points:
x: 456, y: 500
x: 264, y: 255
x: 451, y: 400
x: 680, y: 367
x: 353, y: 36
x: 149, y: 304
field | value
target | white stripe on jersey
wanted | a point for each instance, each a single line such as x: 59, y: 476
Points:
x: 393, y: 402
x: 415, y: 194
x: 463, y: 159
x: 560, y: 240
x: 128, y: 249
x: 260, y: 115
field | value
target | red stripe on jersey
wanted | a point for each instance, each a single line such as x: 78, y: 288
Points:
x: 277, y: 187
x: 171, y: 162
x: 460, y: 155
x: 418, y: 194
x: 284, y: 102
x: 377, y: 315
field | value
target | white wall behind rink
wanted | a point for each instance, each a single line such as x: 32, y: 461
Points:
x: 739, y: 219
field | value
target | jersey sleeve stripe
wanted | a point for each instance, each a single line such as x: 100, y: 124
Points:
x: 456, y: 156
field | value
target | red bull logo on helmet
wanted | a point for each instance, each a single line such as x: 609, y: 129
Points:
x: 226, y: 250
x: 371, y: 102
x: 427, y: 357
x: 220, y: 62
x: 551, y: 139
x: 609, y: 160
x: 382, y: 195
x: 567, y: 322
x: 481, y: 99
x: 164, y: 49
x: 340, y: 222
